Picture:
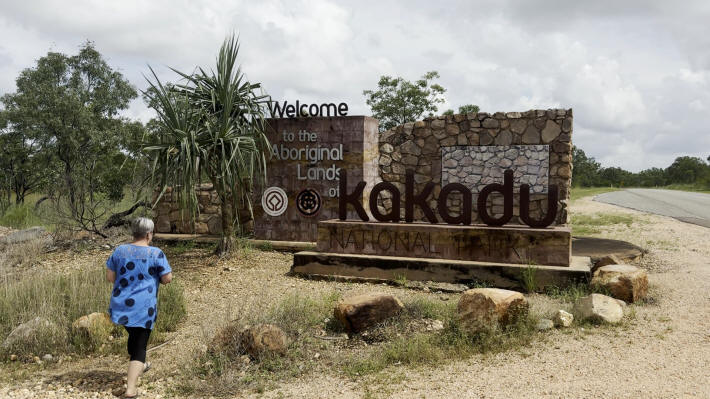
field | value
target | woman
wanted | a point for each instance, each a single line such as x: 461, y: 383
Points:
x: 136, y: 270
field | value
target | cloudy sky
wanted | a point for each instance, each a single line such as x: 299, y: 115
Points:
x: 636, y: 73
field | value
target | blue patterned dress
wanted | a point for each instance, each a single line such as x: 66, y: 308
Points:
x: 134, y: 300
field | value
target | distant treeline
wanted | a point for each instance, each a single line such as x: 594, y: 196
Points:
x: 685, y: 170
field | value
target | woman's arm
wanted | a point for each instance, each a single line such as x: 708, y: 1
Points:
x: 110, y: 276
x: 166, y: 278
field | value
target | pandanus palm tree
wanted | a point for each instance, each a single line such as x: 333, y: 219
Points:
x: 211, y: 127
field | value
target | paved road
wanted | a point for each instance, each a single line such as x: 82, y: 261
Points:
x: 683, y: 205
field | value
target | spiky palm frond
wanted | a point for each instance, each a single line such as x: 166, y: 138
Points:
x: 213, y: 125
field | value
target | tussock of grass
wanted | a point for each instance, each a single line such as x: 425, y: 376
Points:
x: 62, y: 299
x: 454, y: 342
x: 572, y: 293
x: 592, y: 224
x: 529, y: 278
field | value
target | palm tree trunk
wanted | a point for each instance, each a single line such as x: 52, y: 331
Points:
x: 227, y: 241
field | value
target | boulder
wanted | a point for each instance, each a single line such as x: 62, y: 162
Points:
x: 97, y: 325
x: 360, y: 312
x: 599, y: 308
x: 27, y: 334
x: 606, y: 260
x: 562, y: 319
x: 489, y: 307
x: 264, y: 338
x: 626, y: 282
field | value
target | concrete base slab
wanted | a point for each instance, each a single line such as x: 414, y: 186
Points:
x: 501, y: 275
x: 597, y: 248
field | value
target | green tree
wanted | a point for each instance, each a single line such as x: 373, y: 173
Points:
x: 617, y: 177
x: 653, y: 177
x: 464, y: 109
x: 65, y: 113
x: 211, y: 125
x: 686, y: 170
x: 63, y: 120
x: 585, y: 171
x: 397, y: 101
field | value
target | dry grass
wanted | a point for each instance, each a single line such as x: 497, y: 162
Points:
x: 22, y: 254
x: 221, y: 368
x: 61, y: 299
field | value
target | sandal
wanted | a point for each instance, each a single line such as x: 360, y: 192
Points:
x: 147, y: 367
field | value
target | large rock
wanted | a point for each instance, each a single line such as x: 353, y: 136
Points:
x: 28, y: 334
x: 607, y: 260
x: 96, y: 325
x: 264, y: 338
x: 600, y: 308
x: 562, y: 318
x: 489, y: 307
x: 626, y: 282
x: 360, y: 312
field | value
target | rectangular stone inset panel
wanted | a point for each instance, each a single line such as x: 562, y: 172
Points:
x: 477, y: 166
x: 514, y: 244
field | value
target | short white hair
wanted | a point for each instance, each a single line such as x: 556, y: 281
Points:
x: 140, y: 227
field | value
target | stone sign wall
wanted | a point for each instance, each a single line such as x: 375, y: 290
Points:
x: 473, y: 149
x: 308, y: 157
x: 431, y: 148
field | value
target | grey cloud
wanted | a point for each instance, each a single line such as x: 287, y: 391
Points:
x: 635, y: 72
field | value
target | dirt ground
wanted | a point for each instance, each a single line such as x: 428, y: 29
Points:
x: 663, y: 353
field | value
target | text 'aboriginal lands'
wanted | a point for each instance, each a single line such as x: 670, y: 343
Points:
x: 312, y: 160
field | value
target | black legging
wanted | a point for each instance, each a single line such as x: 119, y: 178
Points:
x: 137, y: 342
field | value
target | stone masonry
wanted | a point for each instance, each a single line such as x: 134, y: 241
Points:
x: 420, y: 146
x: 473, y: 149
x: 168, y: 217
x: 478, y: 166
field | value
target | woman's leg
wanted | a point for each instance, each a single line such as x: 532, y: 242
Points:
x: 137, y: 343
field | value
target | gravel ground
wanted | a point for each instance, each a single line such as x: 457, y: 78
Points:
x: 664, y: 353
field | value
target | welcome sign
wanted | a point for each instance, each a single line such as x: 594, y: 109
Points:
x: 308, y: 155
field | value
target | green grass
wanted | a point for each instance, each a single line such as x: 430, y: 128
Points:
x: 21, y: 217
x: 572, y: 293
x: 25, y: 215
x: 454, y: 342
x: 580, y: 192
x: 62, y: 299
x: 529, y: 279
x: 181, y: 247
x: 592, y: 224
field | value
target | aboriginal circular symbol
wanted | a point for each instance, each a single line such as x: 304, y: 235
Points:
x: 308, y: 202
x: 274, y: 201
